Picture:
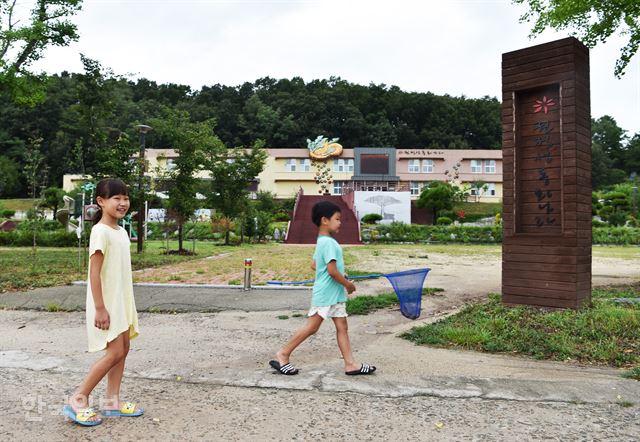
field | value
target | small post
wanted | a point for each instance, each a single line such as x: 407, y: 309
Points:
x: 248, y: 262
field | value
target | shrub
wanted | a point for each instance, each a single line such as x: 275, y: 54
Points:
x: 444, y: 221
x: 371, y: 218
x: 6, y: 213
x: 281, y: 217
x: 617, y: 218
x: 22, y: 238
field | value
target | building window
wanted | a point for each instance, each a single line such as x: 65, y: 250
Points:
x: 490, y: 166
x: 374, y: 164
x: 427, y: 166
x: 171, y: 164
x: 342, y: 165
x: 476, y: 166
x: 290, y: 165
x: 337, y: 187
x: 305, y: 165
x: 414, y: 166
x: 415, y: 187
x: 489, y: 190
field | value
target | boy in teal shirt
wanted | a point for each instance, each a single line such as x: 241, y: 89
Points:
x: 329, y: 297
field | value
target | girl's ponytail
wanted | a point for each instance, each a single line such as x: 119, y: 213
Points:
x: 98, y: 216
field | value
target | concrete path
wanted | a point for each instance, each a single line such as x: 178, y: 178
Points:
x: 165, y: 299
x: 203, y: 375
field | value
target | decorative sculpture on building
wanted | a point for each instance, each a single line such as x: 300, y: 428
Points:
x: 320, y: 150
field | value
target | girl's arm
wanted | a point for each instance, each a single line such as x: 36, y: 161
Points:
x: 102, y: 319
x: 313, y: 265
x: 332, y: 268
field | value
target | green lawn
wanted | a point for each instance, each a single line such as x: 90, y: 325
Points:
x: 16, y: 204
x: 59, y: 266
x: 363, y: 305
x: 473, y: 208
x: 606, y: 333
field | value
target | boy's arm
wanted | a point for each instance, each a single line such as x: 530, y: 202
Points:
x: 313, y: 265
x: 102, y: 319
x: 332, y: 269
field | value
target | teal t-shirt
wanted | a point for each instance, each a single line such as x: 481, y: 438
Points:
x: 326, y: 290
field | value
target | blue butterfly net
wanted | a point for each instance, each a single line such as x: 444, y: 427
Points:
x: 408, y: 287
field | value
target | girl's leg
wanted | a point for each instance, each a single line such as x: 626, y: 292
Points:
x: 342, y: 335
x: 113, y: 355
x: 114, y: 378
x: 312, y: 326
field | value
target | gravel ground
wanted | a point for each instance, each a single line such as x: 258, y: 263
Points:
x: 184, y: 411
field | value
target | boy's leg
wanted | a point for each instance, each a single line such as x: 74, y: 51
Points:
x: 312, y: 326
x: 342, y: 336
x: 114, y: 378
x: 112, y: 356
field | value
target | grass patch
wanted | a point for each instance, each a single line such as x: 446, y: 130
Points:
x: 473, y: 208
x: 233, y: 282
x: 52, y: 307
x: 297, y: 315
x: 634, y: 373
x: 17, y: 204
x: 283, y: 317
x: 363, y: 305
x: 606, y: 333
x: 60, y: 265
x: 352, y: 272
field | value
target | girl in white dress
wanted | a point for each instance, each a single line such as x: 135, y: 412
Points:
x: 112, y: 319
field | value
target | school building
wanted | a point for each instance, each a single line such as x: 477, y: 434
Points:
x: 372, y: 169
x: 384, y: 170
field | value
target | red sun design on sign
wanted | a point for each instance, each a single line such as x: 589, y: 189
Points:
x: 543, y: 105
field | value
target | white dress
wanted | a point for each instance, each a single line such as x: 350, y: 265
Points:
x: 117, y: 286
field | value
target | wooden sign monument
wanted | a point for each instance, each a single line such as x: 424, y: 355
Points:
x: 546, y: 147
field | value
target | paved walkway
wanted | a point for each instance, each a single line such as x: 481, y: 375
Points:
x: 203, y: 375
x: 165, y: 299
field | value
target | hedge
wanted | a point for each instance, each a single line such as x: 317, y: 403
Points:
x: 387, y: 233
x: 23, y: 238
x: 398, y: 232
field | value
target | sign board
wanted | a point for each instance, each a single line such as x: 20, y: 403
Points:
x: 546, y: 250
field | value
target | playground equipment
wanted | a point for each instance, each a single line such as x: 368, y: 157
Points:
x: 407, y: 285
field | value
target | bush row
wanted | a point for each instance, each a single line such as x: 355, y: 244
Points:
x: 389, y: 233
x: 398, y: 232
x: 23, y: 238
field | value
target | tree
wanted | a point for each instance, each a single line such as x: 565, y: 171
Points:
x: 263, y: 222
x: 23, y: 42
x: 189, y: 140
x: 52, y: 198
x: 479, y: 186
x: 608, y: 154
x: 632, y: 155
x: 266, y: 201
x: 35, y: 173
x: 439, y: 196
x: 231, y: 172
x: 9, y: 176
x: 593, y: 21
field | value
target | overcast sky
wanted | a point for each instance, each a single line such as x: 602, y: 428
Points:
x: 445, y: 47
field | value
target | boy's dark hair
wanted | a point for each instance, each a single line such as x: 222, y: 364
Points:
x: 323, y: 209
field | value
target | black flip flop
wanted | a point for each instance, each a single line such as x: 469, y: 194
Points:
x: 364, y: 369
x: 286, y: 369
